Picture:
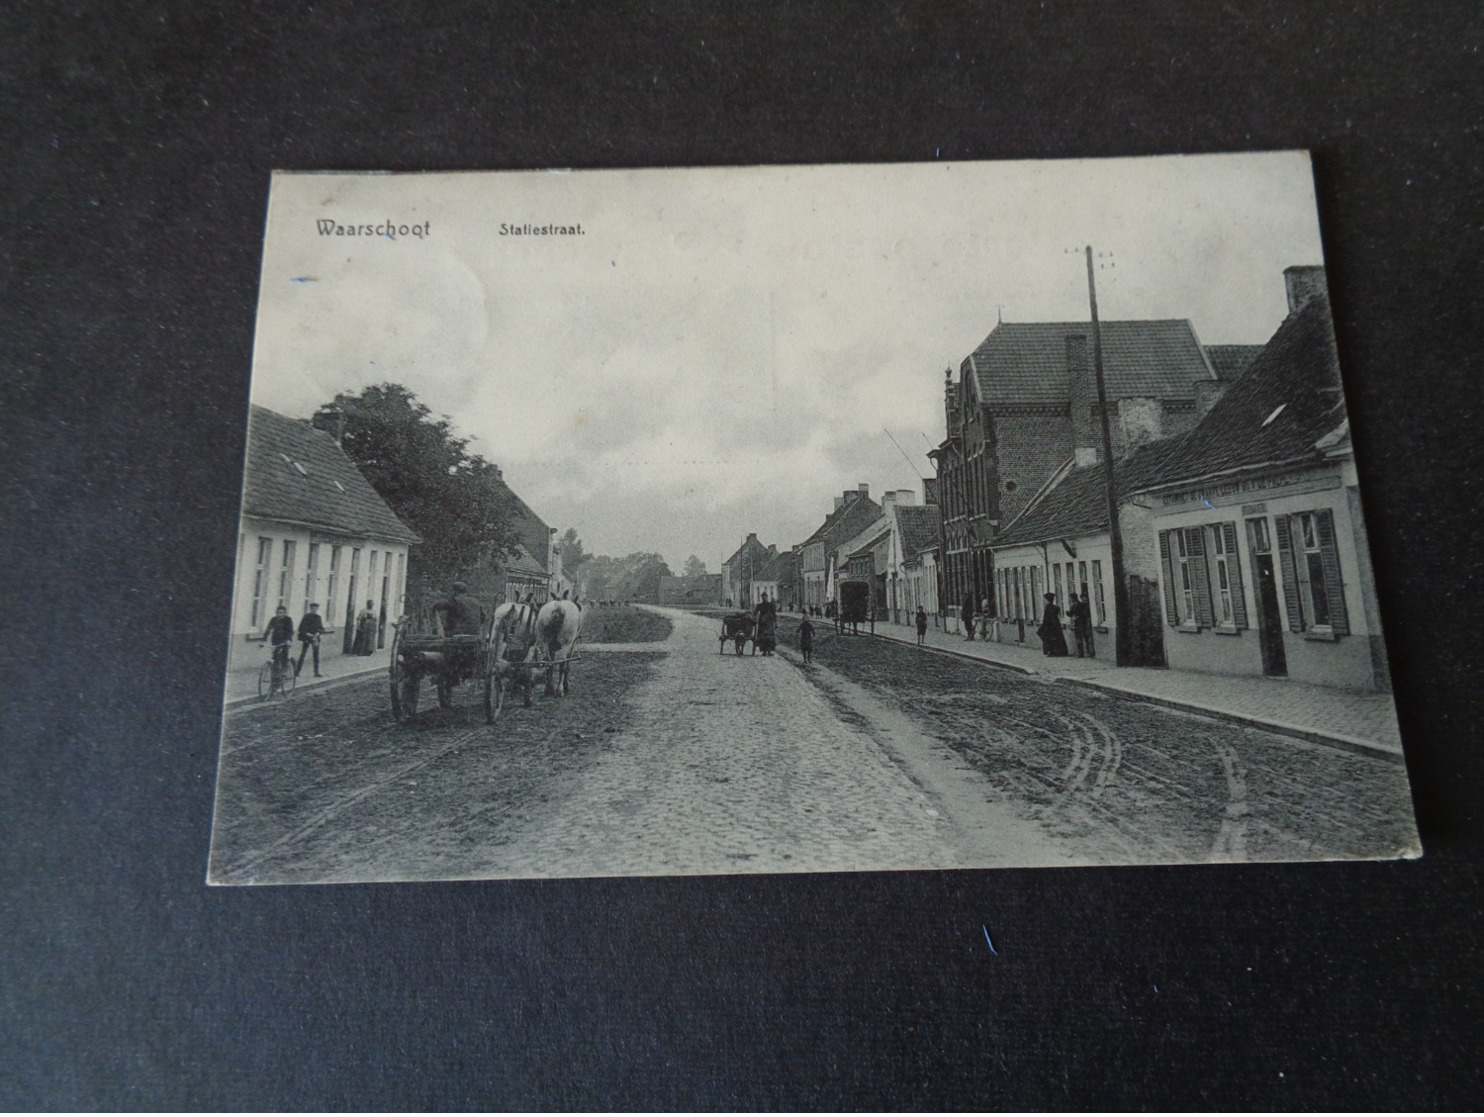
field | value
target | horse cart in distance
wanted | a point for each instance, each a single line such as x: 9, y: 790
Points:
x: 737, y: 629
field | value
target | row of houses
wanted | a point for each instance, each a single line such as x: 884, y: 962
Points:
x: 313, y: 530
x: 1244, y: 543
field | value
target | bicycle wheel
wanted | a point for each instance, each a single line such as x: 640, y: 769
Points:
x: 265, y: 681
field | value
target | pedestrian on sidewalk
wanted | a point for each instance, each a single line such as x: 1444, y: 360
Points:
x: 1053, y: 639
x: 311, y: 625
x: 921, y: 625
x: 967, y: 613
x: 984, y: 620
x: 366, y: 631
x: 1080, y: 614
x: 806, y: 639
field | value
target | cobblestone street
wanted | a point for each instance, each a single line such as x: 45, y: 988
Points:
x: 667, y: 758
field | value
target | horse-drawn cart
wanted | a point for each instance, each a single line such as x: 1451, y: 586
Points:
x: 737, y: 629
x: 420, y: 655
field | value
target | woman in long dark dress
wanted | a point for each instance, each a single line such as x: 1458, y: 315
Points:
x: 1053, y: 639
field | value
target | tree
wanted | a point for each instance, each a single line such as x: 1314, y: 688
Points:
x: 456, y: 501
x: 573, y: 556
x: 695, y: 568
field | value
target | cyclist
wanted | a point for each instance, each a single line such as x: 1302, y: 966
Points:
x: 280, y: 633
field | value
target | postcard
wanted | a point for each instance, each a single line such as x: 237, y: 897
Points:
x: 800, y: 519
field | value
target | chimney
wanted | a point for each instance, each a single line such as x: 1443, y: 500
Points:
x: 1207, y: 392
x: 863, y: 488
x: 1303, y: 282
x: 1087, y: 430
x: 888, y: 500
x: 839, y: 503
x: 1140, y: 420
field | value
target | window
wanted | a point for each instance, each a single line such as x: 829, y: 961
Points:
x: 1056, y: 577
x: 350, y: 597
x: 311, y: 574
x: 1082, y: 578
x: 1097, y: 592
x: 333, y: 585
x: 1313, y: 589
x: 260, y: 581
x: 401, y: 576
x: 1188, y: 592
x: 286, y: 573
x: 1221, y: 577
x: 1184, y: 584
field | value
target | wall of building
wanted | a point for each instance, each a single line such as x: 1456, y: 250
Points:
x: 1344, y: 660
x: 1092, y: 566
x: 319, y: 565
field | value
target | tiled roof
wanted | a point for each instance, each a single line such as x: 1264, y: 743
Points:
x: 826, y: 532
x: 1078, y: 503
x: 1025, y: 363
x: 850, y: 521
x: 782, y: 568
x: 521, y: 563
x: 1287, y: 401
x: 1230, y: 361
x: 300, y: 475
x: 753, y: 553
x: 919, y: 525
x: 869, y: 547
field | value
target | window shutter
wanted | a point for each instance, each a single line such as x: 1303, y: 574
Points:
x: 1334, y: 586
x: 1200, y: 576
x: 1234, y: 574
x: 1290, y: 574
x: 1172, y: 614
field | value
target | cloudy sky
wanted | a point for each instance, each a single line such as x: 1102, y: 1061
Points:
x: 722, y: 350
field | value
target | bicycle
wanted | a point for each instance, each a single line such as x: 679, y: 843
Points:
x: 276, y: 677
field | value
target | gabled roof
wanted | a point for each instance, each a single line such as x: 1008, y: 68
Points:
x: 521, y: 563
x: 1078, y: 503
x: 851, y: 520
x: 919, y: 526
x: 1230, y: 361
x: 782, y: 568
x: 1025, y: 363
x: 300, y: 475
x: 827, y: 528
x: 1286, y: 402
x: 752, y: 552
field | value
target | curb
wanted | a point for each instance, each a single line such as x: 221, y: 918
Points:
x: 1001, y: 664
x: 310, y: 687
x: 1357, y: 745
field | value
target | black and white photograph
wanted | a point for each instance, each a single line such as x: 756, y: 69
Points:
x: 801, y: 519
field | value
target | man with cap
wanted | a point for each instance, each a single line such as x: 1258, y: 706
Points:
x: 311, y: 625
x: 463, y: 615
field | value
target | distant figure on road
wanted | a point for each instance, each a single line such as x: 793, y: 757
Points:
x: 311, y: 625
x: 967, y: 615
x: 806, y: 639
x: 365, y: 631
x: 1053, y: 639
x: 1080, y: 614
x: 921, y: 625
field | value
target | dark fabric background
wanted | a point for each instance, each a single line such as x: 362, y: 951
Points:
x: 137, y: 145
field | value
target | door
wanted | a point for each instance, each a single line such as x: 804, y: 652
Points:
x: 1269, y: 622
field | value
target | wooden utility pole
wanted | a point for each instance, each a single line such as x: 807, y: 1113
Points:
x: 1123, y: 656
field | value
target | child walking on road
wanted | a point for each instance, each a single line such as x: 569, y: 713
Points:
x: 806, y: 639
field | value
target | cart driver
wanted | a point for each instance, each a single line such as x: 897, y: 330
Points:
x: 463, y: 615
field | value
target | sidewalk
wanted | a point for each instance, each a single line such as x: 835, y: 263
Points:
x: 242, y: 682
x: 1359, y: 720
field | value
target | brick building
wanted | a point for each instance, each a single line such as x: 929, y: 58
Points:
x: 738, y: 571
x: 820, y: 557
x: 1024, y: 406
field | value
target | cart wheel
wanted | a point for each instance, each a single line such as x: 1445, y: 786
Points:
x: 404, y: 683
x: 494, y: 677
x: 265, y: 681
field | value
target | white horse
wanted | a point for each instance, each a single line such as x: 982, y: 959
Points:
x: 558, y: 626
x: 518, y: 621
